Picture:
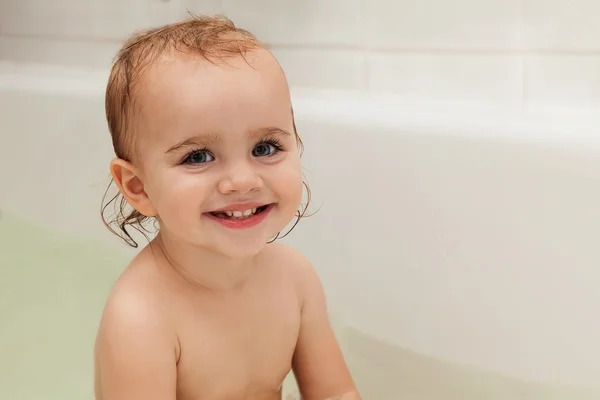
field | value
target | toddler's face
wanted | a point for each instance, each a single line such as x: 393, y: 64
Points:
x: 220, y: 161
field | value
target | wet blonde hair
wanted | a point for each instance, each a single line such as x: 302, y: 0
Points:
x: 213, y: 38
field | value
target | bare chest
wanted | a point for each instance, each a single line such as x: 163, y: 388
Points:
x: 238, y: 350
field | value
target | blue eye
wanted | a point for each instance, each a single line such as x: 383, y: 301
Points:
x: 264, y: 150
x: 199, y: 157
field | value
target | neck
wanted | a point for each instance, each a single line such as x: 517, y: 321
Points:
x: 202, y: 267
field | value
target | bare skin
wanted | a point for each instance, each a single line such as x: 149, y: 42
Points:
x: 164, y: 338
x: 206, y: 312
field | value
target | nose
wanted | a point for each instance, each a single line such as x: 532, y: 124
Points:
x: 240, y: 178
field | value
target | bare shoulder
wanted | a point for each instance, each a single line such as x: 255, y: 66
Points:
x: 136, y: 345
x: 134, y: 299
x: 318, y: 363
x: 131, y: 304
x: 287, y: 252
x: 299, y: 270
x: 293, y: 262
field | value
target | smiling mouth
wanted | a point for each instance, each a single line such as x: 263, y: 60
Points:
x: 240, y: 215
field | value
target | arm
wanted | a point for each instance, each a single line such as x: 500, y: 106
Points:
x: 135, y: 356
x: 318, y: 363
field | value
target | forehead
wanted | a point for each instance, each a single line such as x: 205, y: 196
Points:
x: 182, y: 95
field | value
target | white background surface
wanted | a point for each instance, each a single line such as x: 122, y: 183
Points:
x: 519, y: 55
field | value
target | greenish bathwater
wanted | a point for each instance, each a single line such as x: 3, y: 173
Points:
x: 52, y: 291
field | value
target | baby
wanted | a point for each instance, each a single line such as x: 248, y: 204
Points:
x: 203, y: 130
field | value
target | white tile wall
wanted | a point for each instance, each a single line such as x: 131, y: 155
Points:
x: 454, y: 51
x: 564, y: 83
x: 208, y: 7
x: 90, y: 19
x: 443, y: 24
x: 160, y: 12
x: 64, y: 18
x: 336, y: 69
x: 491, y: 80
x: 300, y: 22
x: 75, y: 53
x: 562, y: 25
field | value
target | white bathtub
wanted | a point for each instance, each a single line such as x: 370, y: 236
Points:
x: 460, y: 251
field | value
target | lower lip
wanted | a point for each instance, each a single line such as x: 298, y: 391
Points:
x: 242, y: 223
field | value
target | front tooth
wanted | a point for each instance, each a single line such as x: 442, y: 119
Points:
x: 238, y: 214
x: 247, y: 213
x: 229, y: 213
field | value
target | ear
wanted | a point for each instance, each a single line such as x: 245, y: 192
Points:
x: 131, y: 186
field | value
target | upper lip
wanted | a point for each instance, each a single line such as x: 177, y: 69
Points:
x: 240, y: 207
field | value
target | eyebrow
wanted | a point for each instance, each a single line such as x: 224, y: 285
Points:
x: 202, y: 139
x: 207, y: 139
x: 271, y: 130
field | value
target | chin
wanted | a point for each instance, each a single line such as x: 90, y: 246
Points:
x: 240, y: 250
x: 241, y: 246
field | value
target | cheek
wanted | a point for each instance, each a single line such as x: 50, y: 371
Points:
x: 176, y: 193
x: 289, y: 184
